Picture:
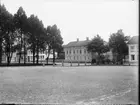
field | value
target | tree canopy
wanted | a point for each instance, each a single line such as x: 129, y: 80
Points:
x: 21, y: 33
x: 117, y: 42
x: 97, y: 45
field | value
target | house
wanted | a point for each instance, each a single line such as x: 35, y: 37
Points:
x: 76, y: 51
x: 29, y: 56
x: 133, y: 50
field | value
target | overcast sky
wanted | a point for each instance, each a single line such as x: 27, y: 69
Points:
x: 82, y: 18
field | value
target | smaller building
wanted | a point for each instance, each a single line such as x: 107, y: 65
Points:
x: 133, y: 50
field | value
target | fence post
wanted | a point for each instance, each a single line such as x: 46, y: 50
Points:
x: 85, y: 63
x: 70, y: 63
x: 78, y: 62
x: 62, y: 62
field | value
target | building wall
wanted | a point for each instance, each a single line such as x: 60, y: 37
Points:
x: 77, y: 54
x: 29, y: 57
x: 133, y: 52
x: 42, y: 56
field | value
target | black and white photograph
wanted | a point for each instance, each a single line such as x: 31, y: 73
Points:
x: 69, y: 52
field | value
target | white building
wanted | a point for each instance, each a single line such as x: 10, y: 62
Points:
x: 29, y: 56
x: 133, y: 49
x: 76, y: 51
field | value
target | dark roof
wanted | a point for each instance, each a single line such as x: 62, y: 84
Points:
x: 77, y: 43
x: 133, y: 40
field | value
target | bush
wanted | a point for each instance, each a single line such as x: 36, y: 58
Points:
x: 93, y: 61
x: 107, y: 61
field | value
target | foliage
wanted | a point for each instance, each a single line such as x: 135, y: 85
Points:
x: 117, y: 42
x: 20, y: 21
x: 55, y: 41
x: 7, y: 34
x: 97, y: 45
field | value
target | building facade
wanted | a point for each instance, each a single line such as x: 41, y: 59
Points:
x: 133, y: 50
x: 29, y: 56
x: 76, y: 51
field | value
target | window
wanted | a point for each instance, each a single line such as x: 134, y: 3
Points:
x: 85, y: 57
x: 132, y: 57
x: 73, y: 51
x: 80, y: 51
x: 70, y: 51
x: 85, y: 51
x: 77, y: 51
x: 132, y: 48
x: 74, y: 57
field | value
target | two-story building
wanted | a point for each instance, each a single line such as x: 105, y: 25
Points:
x: 133, y: 50
x: 29, y: 56
x: 76, y: 51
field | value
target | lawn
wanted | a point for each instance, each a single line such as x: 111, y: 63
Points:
x: 71, y: 85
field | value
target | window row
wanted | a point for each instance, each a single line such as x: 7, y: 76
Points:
x: 40, y: 57
x: 78, y: 58
x: 76, y: 51
x: 31, y: 52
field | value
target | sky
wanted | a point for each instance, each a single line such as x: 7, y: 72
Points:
x: 82, y: 18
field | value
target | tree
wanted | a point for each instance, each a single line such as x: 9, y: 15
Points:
x: 117, y: 42
x: 55, y: 40
x: 3, y: 17
x: 97, y: 45
x: 36, y: 36
x: 20, y: 20
x: 8, y: 36
x: 48, y: 41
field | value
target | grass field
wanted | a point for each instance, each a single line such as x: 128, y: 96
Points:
x: 72, y: 85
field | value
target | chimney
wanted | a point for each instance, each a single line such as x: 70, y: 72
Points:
x: 77, y: 39
x: 87, y: 38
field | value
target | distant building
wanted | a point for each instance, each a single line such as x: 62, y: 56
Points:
x: 133, y: 49
x: 29, y: 56
x: 76, y: 51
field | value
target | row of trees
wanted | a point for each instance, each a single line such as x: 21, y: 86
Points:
x: 117, y: 44
x: 21, y: 33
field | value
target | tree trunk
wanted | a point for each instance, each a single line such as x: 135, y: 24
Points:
x: 33, y: 55
x: 37, y: 55
x: 24, y: 51
x: 8, y: 54
x: 48, y: 56
x: 53, y: 56
x: 20, y: 48
x: 8, y: 60
x: 0, y: 51
x: 98, y: 58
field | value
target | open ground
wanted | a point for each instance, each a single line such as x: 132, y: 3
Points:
x: 69, y: 85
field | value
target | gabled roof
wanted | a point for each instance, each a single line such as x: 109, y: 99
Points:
x: 77, y: 43
x: 133, y: 40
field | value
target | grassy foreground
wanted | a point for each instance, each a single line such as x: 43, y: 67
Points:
x: 73, y: 85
